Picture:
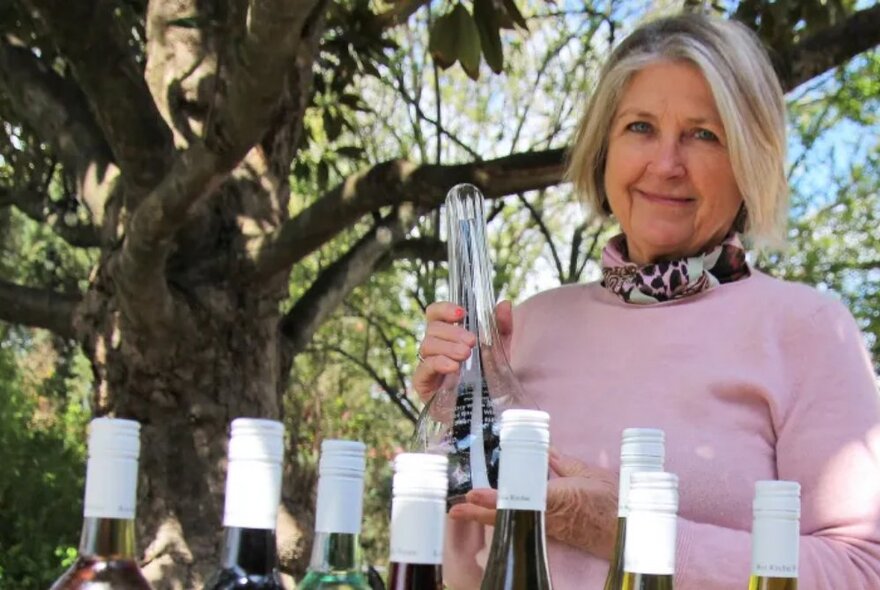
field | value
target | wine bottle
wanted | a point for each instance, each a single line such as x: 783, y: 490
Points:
x: 642, y: 449
x: 518, y: 556
x: 649, y: 552
x: 775, y: 535
x: 106, y: 559
x: 418, y: 519
x: 253, y: 492
x: 336, y: 557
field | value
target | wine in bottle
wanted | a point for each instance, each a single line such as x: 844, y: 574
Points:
x: 336, y: 557
x: 649, y: 552
x: 418, y: 519
x: 642, y: 449
x: 775, y: 535
x: 106, y: 559
x: 253, y: 492
x: 518, y: 556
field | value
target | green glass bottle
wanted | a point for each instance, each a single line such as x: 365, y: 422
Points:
x: 649, y: 552
x: 336, y: 552
x: 641, y: 449
x: 518, y: 557
x: 775, y: 535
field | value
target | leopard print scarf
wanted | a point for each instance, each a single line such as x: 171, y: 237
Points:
x: 672, y: 279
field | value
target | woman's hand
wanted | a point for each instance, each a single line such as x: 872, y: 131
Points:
x: 581, y: 506
x: 447, y: 343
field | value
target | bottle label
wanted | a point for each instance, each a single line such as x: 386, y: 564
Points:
x: 340, y: 505
x: 775, y: 547
x: 522, y: 478
x: 417, y: 526
x: 650, y: 543
x: 111, y: 487
x: 253, y: 492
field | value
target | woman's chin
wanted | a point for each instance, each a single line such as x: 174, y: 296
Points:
x: 660, y: 245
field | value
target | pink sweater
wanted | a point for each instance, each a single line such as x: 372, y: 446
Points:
x: 758, y: 379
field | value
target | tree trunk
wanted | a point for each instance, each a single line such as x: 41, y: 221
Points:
x: 185, y: 386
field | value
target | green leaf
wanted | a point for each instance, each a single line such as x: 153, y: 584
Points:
x: 488, y: 24
x: 468, y: 42
x: 332, y: 125
x: 514, y: 14
x: 443, y: 40
x: 351, y: 152
x: 355, y: 103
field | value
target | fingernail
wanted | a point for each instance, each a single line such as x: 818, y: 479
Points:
x: 459, y: 312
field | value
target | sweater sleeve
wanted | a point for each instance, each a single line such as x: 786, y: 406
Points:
x: 829, y: 441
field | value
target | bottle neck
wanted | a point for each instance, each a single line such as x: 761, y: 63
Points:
x: 649, y: 547
x: 417, y: 528
x: 336, y: 552
x: 648, y: 582
x: 521, y: 522
x: 250, y: 550
x: 627, y: 468
x: 775, y: 547
x: 522, y: 478
x: 765, y: 583
x: 108, y: 538
x: 614, y: 581
x: 518, y: 548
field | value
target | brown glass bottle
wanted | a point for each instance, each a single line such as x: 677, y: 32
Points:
x: 518, y: 557
x: 415, y: 576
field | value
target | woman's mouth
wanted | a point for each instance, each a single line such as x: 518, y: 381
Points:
x: 666, y: 199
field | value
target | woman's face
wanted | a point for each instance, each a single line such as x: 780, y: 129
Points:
x: 668, y: 175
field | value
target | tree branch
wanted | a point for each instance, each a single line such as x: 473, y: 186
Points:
x: 545, y: 231
x: 389, y: 345
x: 58, y: 113
x: 398, y: 14
x: 92, y: 38
x: 38, y: 207
x: 395, y: 182
x: 425, y: 248
x: 861, y: 265
x: 829, y: 48
x: 38, y: 308
x: 275, y: 29
x: 410, y: 412
x: 267, y: 52
x: 340, y: 278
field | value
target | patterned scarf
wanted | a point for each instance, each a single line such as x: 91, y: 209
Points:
x: 672, y: 279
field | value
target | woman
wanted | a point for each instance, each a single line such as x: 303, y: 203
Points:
x: 752, y: 378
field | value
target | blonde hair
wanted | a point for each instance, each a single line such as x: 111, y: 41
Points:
x: 747, y: 94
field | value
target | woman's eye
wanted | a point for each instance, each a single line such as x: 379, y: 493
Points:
x: 705, y: 134
x: 639, y: 127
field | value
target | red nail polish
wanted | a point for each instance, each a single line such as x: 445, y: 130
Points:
x: 459, y: 313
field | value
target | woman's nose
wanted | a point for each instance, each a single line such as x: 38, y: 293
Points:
x: 666, y: 158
